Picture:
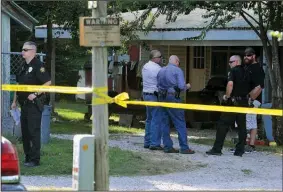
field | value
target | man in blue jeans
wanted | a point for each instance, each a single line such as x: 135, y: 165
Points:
x: 153, y: 133
x: 170, y: 82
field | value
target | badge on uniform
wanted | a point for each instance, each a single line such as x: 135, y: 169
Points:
x: 30, y: 69
x: 42, y: 69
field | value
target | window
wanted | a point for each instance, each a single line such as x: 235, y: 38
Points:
x: 199, y: 57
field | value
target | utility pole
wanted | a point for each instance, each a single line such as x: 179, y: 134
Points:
x: 100, y: 112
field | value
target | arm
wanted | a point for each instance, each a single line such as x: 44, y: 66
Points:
x: 230, y: 85
x: 42, y: 76
x: 48, y: 83
x: 255, y: 92
x: 229, y: 89
x: 258, y: 79
x: 14, y: 104
x: 181, y: 80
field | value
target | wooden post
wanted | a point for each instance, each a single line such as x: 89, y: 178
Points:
x: 100, y: 112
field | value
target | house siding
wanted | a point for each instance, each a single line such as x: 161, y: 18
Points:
x: 207, y: 63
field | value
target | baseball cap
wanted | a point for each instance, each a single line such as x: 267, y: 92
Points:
x: 249, y: 51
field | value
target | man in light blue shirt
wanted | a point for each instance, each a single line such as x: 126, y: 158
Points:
x: 152, y: 139
x: 170, y: 82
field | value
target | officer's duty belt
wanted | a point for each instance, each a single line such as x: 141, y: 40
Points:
x: 239, y: 98
x: 145, y: 93
x: 28, y: 101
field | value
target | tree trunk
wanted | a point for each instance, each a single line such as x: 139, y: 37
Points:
x: 52, y: 95
x: 277, y: 122
x: 49, y: 43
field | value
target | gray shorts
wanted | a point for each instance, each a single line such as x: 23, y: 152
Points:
x: 251, y: 122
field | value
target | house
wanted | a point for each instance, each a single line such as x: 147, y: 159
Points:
x: 12, y: 16
x: 200, y: 59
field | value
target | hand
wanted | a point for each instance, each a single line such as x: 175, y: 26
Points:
x: 188, y: 86
x: 31, y: 97
x: 250, y: 102
x: 225, y: 97
x: 14, y: 105
x: 256, y: 103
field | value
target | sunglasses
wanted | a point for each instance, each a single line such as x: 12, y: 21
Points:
x: 249, y: 55
x: 25, y: 50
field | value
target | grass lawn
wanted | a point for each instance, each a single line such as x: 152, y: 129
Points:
x: 57, y: 159
x: 71, y: 121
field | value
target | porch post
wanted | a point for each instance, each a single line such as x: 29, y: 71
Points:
x: 7, y: 121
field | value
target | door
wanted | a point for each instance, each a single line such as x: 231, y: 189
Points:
x: 197, y: 68
x: 219, y: 64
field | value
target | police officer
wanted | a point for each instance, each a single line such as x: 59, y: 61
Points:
x: 32, y: 73
x: 171, y: 82
x: 237, y: 91
x: 153, y: 133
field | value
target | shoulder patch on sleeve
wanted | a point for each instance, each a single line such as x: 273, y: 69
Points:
x: 42, y: 69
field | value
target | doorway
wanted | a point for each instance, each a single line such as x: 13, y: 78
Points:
x: 219, y: 63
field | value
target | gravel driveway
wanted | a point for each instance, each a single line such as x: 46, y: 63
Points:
x: 255, y: 171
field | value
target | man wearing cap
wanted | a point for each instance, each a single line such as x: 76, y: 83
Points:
x: 32, y: 73
x: 171, y: 82
x: 257, y: 74
x: 153, y: 133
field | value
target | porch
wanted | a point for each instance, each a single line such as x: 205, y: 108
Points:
x: 199, y: 63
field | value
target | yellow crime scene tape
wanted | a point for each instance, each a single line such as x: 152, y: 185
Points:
x: 122, y: 99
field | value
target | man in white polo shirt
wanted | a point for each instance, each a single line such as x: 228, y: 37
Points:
x: 153, y: 133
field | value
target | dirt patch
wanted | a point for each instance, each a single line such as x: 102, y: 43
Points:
x: 160, y: 162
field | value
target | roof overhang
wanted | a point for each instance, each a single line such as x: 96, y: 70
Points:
x: 216, y: 37
x: 211, y: 35
x: 18, y: 14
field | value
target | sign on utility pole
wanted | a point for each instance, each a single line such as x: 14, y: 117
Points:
x: 98, y: 32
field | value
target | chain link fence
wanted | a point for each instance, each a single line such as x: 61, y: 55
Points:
x: 15, y: 60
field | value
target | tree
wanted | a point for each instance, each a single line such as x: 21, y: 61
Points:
x: 261, y: 17
x: 63, y: 13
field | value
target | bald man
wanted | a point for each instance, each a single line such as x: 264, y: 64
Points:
x: 171, y: 82
x: 237, y: 90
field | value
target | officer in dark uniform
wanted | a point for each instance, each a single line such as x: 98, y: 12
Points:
x: 237, y: 91
x: 32, y: 73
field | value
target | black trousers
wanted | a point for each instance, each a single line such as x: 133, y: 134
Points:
x: 227, y: 120
x: 31, y: 131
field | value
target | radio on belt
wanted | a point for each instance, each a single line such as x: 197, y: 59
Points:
x: 83, y: 163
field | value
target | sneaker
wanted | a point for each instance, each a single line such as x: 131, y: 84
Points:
x: 156, y: 148
x: 146, y: 146
x: 249, y: 149
x: 31, y: 164
x: 232, y: 150
x: 172, y: 150
x: 213, y: 152
x: 188, y: 151
x: 238, y: 154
